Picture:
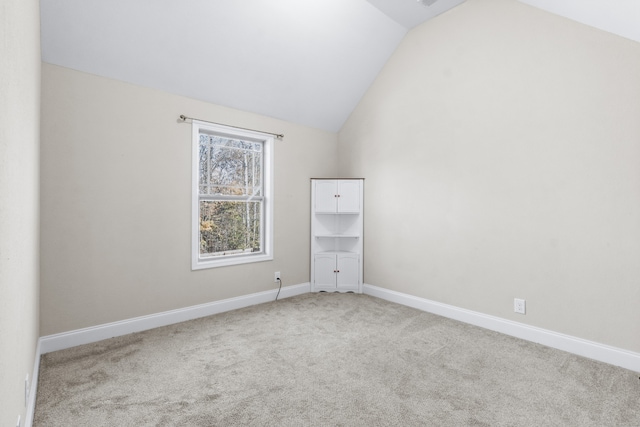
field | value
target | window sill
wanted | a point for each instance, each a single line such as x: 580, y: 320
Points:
x: 205, y: 263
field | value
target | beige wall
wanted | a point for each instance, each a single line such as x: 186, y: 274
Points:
x: 19, y: 145
x: 116, y: 177
x: 501, y: 151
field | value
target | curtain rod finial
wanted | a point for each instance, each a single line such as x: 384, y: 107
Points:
x: 183, y: 117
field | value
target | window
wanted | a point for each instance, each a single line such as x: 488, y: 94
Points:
x: 232, y: 200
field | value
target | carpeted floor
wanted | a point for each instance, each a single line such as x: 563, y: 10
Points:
x: 329, y: 360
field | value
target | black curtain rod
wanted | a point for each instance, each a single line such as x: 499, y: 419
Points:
x: 277, y: 135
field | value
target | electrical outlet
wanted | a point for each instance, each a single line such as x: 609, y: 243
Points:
x: 276, y: 276
x: 519, y: 305
x: 26, y: 390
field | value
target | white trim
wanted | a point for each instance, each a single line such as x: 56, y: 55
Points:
x: 198, y: 263
x: 33, y: 388
x: 603, y: 353
x: 593, y: 350
x: 69, y: 339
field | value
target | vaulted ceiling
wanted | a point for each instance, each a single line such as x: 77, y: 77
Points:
x: 304, y: 62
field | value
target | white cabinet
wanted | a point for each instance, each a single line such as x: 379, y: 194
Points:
x: 337, y: 272
x: 336, y: 235
x: 337, y: 196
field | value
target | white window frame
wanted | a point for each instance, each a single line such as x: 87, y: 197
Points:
x: 198, y: 262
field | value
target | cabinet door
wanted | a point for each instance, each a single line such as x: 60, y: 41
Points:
x: 348, y: 266
x: 349, y: 200
x: 324, y: 271
x: 326, y: 200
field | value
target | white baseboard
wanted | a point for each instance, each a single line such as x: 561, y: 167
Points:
x: 69, y: 339
x: 592, y: 350
x: 614, y: 356
x: 33, y: 389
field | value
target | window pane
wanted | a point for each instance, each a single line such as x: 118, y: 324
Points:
x: 204, y: 162
x: 230, y: 227
x: 230, y: 166
x: 232, y: 222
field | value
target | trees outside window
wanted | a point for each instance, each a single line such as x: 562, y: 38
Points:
x: 232, y: 196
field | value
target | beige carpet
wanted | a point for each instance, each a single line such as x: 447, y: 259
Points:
x: 329, y: 360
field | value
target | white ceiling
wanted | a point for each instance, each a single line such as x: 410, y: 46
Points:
x: 301, y: 61
x: 307, y: 62
x: 410, y: 13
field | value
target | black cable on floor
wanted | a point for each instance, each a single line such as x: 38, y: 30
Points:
x: 278, y: 294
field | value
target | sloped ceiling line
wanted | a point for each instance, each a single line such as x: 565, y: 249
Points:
x: 327, y: 53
